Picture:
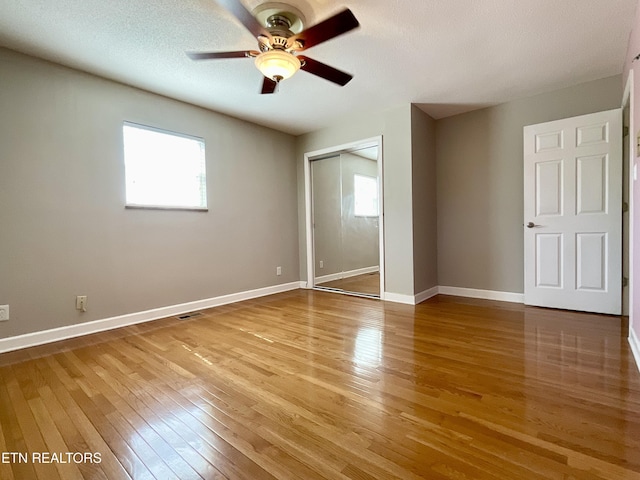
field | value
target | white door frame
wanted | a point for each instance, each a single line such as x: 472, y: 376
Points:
x: 628, y: 100
x: 308, y: 158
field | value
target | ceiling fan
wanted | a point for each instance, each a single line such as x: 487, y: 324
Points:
x: 279, y: 43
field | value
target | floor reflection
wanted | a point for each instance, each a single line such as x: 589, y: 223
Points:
x: 368, y: 284
x: 578, y: 363
x: 368, y: 347
x: 585, y: 348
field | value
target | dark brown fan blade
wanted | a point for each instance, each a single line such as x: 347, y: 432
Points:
x: 323, y: 31
x: 214, y: 55
x: 245, y: 17
x: 325, y: 71
x: 268, y: 85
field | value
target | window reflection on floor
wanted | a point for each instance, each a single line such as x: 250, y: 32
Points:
x: 368, y: 347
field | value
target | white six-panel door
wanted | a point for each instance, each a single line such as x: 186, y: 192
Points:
x: 573, y: 214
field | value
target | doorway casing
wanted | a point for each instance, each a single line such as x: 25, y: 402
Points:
x: 628, y: 101
x: 316, y: 154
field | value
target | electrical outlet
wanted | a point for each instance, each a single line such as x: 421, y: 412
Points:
x: 278, y: 270
x: 321, y: 263
x: 4, y: 313
x: 81, y: 303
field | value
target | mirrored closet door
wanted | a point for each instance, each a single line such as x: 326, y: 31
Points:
x: 346, y: 236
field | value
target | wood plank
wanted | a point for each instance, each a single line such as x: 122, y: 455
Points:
x: 72, y: 437
x: 96, y: 435
x: 5, y: 467
x: 53, y: 439
x: 315, y: 385
x: 13, y: 439
x: 178, y: 413
x: 117, y: 431
x: 30, y: 430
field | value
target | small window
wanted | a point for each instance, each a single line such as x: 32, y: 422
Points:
x: 365, y: 196
x: 164, y: 169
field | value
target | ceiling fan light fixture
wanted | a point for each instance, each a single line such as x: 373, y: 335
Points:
x: 277, y: 64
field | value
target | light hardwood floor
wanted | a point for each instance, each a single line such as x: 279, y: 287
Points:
x: 315, y: 385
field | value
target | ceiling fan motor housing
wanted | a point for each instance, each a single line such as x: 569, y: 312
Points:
x: 277, y: 42
x: 279, y: 26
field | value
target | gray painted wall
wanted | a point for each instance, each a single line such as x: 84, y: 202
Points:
x: 480, y: 183
x: 64, y: 229
x: 425, y: 234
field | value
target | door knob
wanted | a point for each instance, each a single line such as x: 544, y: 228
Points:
x: 531, y: 225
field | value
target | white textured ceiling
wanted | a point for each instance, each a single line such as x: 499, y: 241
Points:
x: 447, y: 56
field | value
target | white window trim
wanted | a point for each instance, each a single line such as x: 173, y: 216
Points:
x: 144, y: 206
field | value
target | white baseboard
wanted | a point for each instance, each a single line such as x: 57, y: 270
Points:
x: 635, y: 347
x: 351, y: 273
x: 456, y: 291
x: 426, y: 295
x: 485, y: 294
x: 410, y: 299
x: 398, y: 298
x: 71, y: 331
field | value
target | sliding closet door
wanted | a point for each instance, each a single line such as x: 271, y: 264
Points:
x: 346, y: 237
x: 327, y: 219
x: 360, y: 236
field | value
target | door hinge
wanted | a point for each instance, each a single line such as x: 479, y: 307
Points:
x: 625, y: 282
x: 625, y: 132
x: 625, y: 207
